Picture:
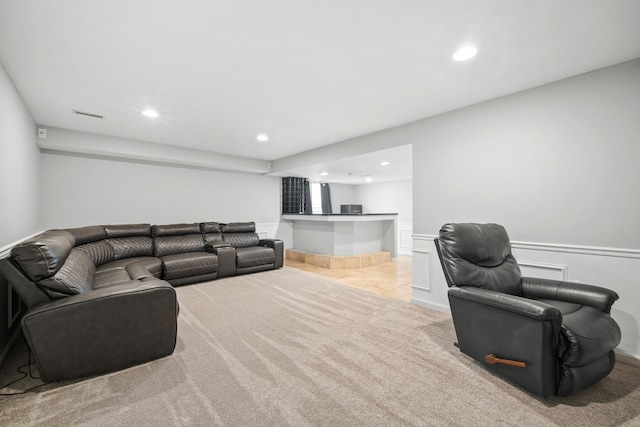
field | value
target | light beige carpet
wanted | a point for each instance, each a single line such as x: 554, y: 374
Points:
x: 289, y: 348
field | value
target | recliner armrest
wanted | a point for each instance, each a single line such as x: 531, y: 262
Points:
x: 512, y: 303
x: 103, y: 330
x: 278, y: 246
x: 578, y: 293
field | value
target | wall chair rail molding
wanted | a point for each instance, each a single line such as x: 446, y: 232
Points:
x: 576, y: 249
x: 615, y: 268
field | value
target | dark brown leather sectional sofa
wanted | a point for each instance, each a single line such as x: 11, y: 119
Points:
x: 102, y: 298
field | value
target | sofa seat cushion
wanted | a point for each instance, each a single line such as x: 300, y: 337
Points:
x: 177, y: 266
x: 254, y: 256
x: 109, y: 277
x: 153, y: 264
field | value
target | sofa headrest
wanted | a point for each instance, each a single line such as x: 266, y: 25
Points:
x: 43, y: 255
x: 91, y: 233
x: 209, y: 227
x: 239, y: 227
x: 175, y: 229
x: 127, y: 230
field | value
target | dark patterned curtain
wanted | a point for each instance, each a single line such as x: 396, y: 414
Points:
x: 296, y: 195
x: 325, y: 194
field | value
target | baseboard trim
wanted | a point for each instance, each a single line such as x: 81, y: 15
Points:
x: 627, y: 359
x: 557, y: 247
x: 433, y: 306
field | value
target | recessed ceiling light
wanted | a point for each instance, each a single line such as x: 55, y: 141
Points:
x: 324, y: 173
x: 385, y: 163
x: 464, y: 53
x: 150, y: 113
x: 263, y: 137
x: 368, y: 179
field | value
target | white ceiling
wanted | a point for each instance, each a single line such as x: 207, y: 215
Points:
x: 308, y: 73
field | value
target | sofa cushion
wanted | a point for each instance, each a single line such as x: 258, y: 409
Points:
x: 238, y: 227
x: 175, y: 229
x: 211, y: 232
x: 129, y: 247
x: 43, y: 255
x: 241, y: 240
x: 75, y: 276
x: 254, y: 256
x: 188, y: 264
x: 100, y: 252
x: 127, y: 230
x: 91, y: 233
x: 153, y: 264
x: 210, y: 227
x: 169, y: 245
x: 111, y: 277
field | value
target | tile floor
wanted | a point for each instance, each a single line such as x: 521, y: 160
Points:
x: 392, y: 279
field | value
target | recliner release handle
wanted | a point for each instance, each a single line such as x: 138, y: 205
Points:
x: 492, y: 359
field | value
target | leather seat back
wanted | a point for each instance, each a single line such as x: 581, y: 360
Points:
x: 478, y: 255
x: 240, y: 234
x: 177, y: 239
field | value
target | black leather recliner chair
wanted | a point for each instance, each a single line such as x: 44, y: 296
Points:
x: 549, y: 337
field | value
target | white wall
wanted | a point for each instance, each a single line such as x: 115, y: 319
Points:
x: 341, y: 194
x: 81, y: 191
x: 391, y: 197
x: 559, y: 167
x: 19, y: 166
x: 559, y: 163
x: 387, y: 197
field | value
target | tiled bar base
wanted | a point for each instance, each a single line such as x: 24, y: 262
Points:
x: 335, y: 261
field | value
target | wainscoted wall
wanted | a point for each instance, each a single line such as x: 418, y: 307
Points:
x: 405, y: 242
x: 608, y: 267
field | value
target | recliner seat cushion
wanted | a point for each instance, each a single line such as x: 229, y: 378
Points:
x: 177, y: 266
x: 75, y: 277
x: 153, y: 264
x: 588, y: 334
x: 110, y: 277
x: 254, y: 256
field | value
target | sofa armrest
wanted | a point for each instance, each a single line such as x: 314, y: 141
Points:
x: 278, y: 246
x: 104, y: 330
x: 137, y: 271
x: 28, y: 291
x: 578, y: 293
x: 213, y: 247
